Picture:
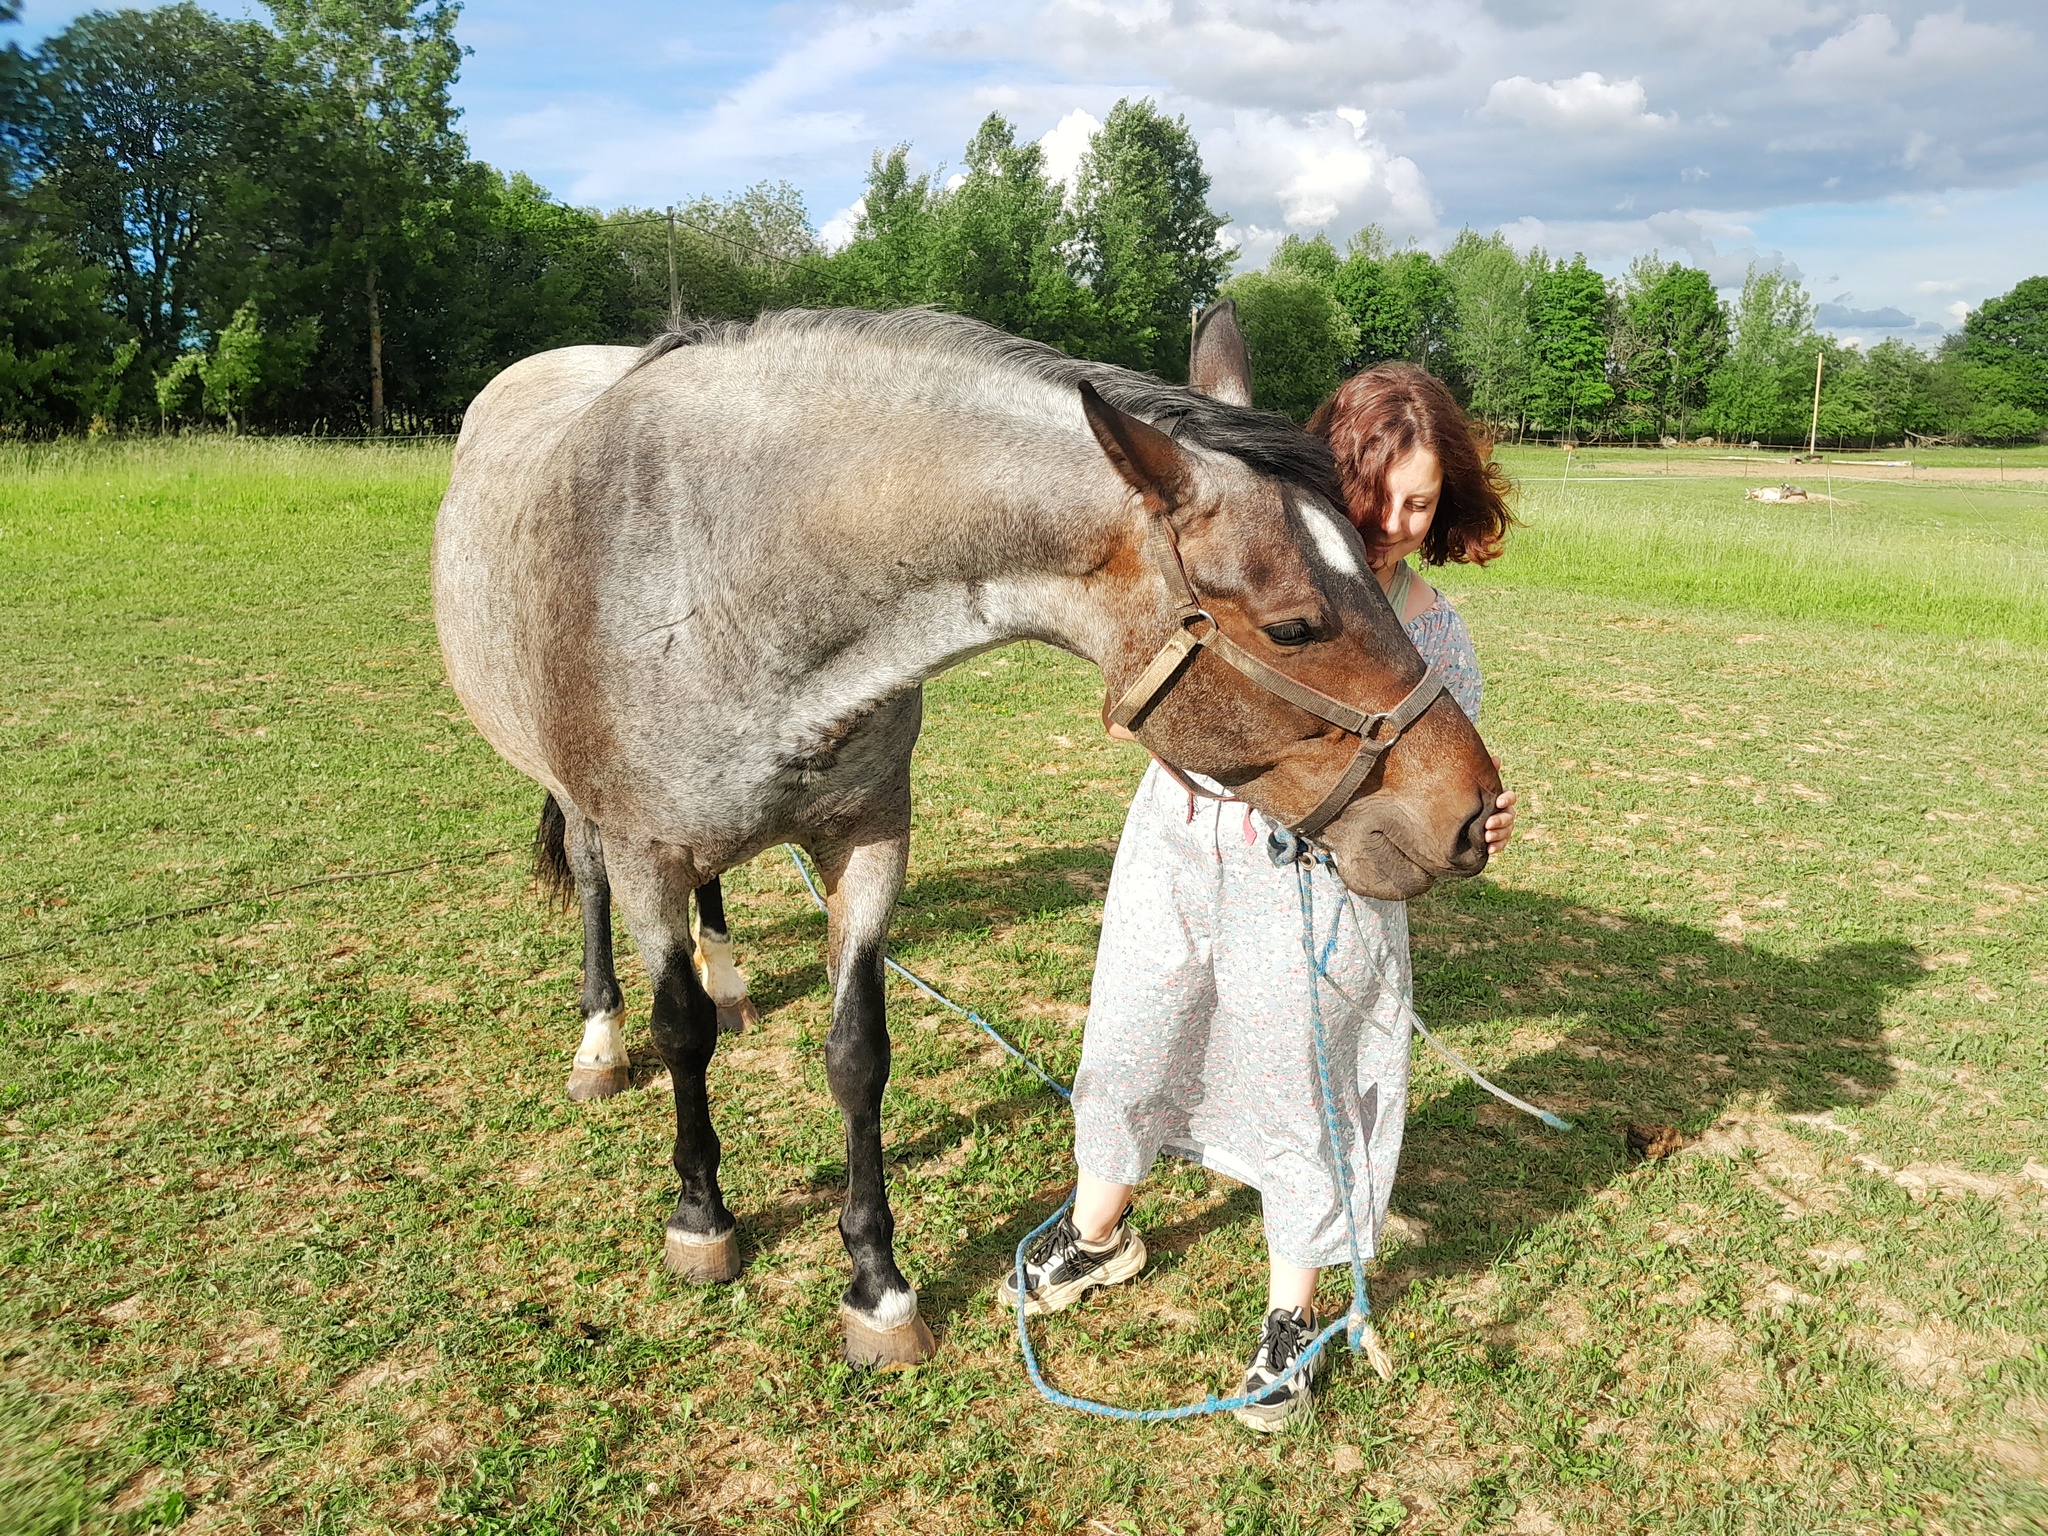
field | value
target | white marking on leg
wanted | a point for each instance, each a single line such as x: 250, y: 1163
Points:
x: 1334, y: 538
x: 726, y: 982
x: 894, y: 1310
x: 604, y: 1042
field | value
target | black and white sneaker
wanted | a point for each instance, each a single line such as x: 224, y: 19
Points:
x: 1060, y: 1269
x: 1287, y: 1334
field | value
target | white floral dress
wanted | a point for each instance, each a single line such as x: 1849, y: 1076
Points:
x: 1198, y: 1040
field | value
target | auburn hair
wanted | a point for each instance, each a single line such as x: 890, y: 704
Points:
x: 1376, y: 419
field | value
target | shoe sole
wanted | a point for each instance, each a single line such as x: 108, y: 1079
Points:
x: 1058, y: 1298
x: 1271, y: 1420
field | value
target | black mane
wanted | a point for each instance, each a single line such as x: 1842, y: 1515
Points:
x: 1268, y: 443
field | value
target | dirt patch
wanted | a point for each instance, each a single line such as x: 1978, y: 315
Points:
x: 1788, y: 1168
x: 252, y: 1342
x: 387, y: 1373
x: 1936, y: 1356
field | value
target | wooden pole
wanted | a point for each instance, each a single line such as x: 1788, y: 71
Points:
x: 675, y: 308
x: 1813, y: 433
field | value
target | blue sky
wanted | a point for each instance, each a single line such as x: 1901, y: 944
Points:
x: 1895, y: 158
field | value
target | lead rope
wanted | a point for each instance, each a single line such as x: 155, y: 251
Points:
x: 1357, y: 1326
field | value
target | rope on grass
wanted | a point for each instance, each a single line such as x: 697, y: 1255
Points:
x: 1356, y: 1324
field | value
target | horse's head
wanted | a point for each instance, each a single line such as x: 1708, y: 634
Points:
x: 1283, y: 574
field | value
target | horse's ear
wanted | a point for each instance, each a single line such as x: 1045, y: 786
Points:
x: 1218, y: 364
x: 1147, y: 458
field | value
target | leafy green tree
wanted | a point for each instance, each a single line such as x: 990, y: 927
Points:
x: 1297, y: 332
x: 2009, y: 334
x: 1000, y: 244
x: 1146, y: 236
x: 1401, y: 304
x: 1897, y: 378
x: 1759, y: 392
x: 1568, y: 307
x: 139, y: 147
x: 888, y: 263
x: 1671, y: 334
x: 1490, y: 342
x: 379, y: 141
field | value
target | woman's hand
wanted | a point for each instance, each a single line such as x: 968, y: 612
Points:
x: 1500, y: 826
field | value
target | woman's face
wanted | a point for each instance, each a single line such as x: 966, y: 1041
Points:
x: 1413, y: 485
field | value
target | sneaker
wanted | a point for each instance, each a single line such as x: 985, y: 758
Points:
x: 1061, y: 1269
x: 1287, y: 1334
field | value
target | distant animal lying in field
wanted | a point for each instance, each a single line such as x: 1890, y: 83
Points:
x: 1775, y: 493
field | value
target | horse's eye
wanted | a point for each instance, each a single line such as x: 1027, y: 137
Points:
x: 1290, y: 632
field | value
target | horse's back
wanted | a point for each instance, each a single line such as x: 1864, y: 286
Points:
x: 499, y: 470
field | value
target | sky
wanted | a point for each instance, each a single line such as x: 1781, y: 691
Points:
x: 1894, y: 159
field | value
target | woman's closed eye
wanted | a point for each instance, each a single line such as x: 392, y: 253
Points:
x: 1290, y: 632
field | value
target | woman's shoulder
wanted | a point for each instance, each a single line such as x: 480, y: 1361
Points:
x: 1446, y: 644
x: 1439, y: 620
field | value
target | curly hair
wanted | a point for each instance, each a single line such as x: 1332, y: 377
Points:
x: 1376, y: 418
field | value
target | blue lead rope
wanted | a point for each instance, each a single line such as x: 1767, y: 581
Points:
x: 1356, y: 1325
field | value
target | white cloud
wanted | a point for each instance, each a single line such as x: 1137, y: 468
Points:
x: 1869, y: 52
x: 1959, y: 311
x: 1936, y: 285
x: 838, y: 230
x: 1586, y: 103
x: 1066, y: 142
x: 1323, y: 170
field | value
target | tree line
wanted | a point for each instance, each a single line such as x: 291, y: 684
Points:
x: 1540, y: 344
x: 278, y: 226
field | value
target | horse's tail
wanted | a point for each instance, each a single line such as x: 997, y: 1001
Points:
x: 551, y: 854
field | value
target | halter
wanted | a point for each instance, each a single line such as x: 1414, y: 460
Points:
x: 1197, y: 630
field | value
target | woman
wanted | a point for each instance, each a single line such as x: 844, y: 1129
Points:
x: 1198, y: 1038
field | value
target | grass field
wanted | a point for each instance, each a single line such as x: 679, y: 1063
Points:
x: 297, y: 1233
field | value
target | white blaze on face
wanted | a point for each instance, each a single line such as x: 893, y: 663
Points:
x: 1333, y: 538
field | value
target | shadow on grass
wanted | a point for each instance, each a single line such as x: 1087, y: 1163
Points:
x: 1641, y: 1019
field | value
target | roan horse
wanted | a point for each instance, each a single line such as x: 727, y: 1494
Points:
x: 694, y: 592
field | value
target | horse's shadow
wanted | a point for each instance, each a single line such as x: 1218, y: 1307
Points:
x: 1612, y: 1019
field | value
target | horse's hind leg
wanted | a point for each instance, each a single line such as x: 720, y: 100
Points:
x: 702, y: 1242
x: 602, y: 1067
x: 878, y: 1309
x: 726, y: 982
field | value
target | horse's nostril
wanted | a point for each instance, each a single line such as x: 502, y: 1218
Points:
x: 1472, y: 839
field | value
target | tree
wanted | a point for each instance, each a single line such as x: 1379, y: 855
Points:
x: 2009, y: 334
x: 1489, y: 290
x: 1146, y: 236
x: 380, y: 139
x: 1568, y: 307
x: 1897, y: 378
x: 1672, y: 333
x: 1765, y: 386
x: 1000, y: 241
x: 1297, y: 332
x: 888, y: 263
x: 1401, y: 304
x: 139, y: 144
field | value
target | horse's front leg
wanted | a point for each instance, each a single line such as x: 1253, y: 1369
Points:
x: 878, y: 1309
x: 702, y: 1241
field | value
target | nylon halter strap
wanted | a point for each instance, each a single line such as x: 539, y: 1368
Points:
x: 1196, y: 629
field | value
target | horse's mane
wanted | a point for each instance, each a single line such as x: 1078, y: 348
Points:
x: 1268, y: 443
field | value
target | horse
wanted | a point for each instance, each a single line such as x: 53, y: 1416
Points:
x: 694, y: 590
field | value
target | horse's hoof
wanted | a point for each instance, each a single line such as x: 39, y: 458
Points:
x: 706, y: 1260
x: 738, y: 1017
x: 886, y: 1349
x: 598, y: 1082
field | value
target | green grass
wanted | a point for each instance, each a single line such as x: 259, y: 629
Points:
x: 297, y: 1233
